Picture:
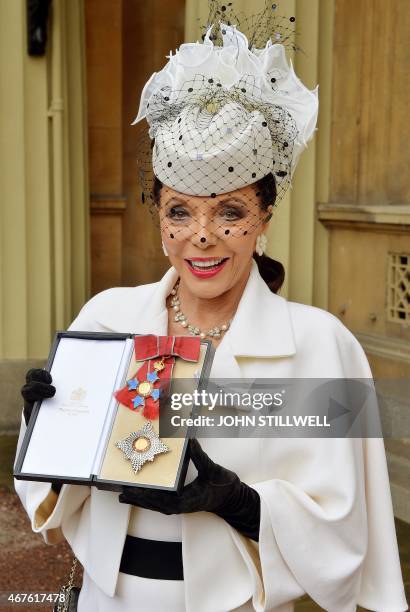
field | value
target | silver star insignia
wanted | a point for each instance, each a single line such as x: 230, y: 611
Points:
x: 142, y: 446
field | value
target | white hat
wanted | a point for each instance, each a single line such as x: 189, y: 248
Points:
x: 215, y: 153
x: 225, y: 116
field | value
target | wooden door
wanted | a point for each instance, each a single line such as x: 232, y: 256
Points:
x: 126, y: 41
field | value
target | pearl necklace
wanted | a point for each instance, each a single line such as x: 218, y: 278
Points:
x: 214, y: 332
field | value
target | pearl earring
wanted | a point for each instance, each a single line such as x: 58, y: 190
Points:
x: 261, y: 242
x: 164, y: 249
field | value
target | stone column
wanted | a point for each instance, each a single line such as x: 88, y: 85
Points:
x: 43, y: 188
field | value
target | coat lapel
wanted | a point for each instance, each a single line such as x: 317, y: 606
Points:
x: 140, y: 310
x: 261, y: 329
x: 261, y: 326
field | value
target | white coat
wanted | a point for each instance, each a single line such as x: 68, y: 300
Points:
x: 327, y: 524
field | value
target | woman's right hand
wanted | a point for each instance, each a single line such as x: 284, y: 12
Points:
x: 38, y: 387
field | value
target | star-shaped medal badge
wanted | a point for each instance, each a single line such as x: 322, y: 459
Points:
x: 142, y: 446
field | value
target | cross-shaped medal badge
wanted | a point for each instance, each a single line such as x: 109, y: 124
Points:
x: 145, y: 388
x: 143, y: 445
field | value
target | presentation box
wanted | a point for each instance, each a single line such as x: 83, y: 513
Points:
x: 84, y: 435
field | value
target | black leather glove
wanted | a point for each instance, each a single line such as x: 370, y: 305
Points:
x: 38, y: 387
x: 215, y: 489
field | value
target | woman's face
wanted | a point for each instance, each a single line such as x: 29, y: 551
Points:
x: 211, y: 240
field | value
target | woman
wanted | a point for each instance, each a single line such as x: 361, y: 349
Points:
x: 265, y: 520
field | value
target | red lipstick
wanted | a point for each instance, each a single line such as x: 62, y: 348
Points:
x: 206, y: 267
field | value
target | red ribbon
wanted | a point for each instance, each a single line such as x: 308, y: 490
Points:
x: 150, y: 349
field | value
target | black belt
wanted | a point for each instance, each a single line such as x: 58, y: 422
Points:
x: 152, y: 559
